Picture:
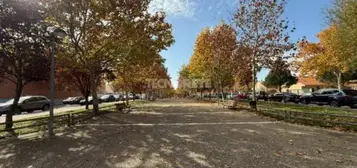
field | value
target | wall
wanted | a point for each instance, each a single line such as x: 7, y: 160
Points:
x: 7, y: 90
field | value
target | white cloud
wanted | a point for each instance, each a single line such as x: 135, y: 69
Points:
x: 184, y: 8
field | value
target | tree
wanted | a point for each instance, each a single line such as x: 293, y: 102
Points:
x: 243, y: 67
x: 280, y: 75
x: 212, y: 58
x: 261, y: 27
x: 199, y: 64
x: 142, y: 45
x: 183, y: 89
x: 73, y: 77
x: 223, y: 44
x: 343, y: 16
x: 316, y: 59
x: 103, y: 35
x: 23, y: 52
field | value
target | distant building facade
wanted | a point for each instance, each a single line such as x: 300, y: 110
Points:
x: 305, y: 85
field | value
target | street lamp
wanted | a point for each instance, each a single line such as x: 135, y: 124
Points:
x: 55, y: 34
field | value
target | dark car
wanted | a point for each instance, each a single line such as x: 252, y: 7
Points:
x: 76, y: 100
x: 107, y: 98
x: 72, y: 100
x: 332, y: 97
x: 284, y: 97
x: 259, y: 95
x: 118, y: 97
x: 90, y: 101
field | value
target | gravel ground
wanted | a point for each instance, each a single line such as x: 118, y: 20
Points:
x: 184, y: 134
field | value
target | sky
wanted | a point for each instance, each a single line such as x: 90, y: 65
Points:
x: 190, y: 17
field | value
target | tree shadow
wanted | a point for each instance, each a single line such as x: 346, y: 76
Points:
x: 176, y: 136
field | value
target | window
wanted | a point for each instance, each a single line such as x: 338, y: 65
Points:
x: 350, y: 92
x: 326, y: 92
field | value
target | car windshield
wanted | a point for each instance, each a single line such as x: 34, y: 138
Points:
x: 350, y: 92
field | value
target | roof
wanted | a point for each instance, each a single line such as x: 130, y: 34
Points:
x: 310, y: 81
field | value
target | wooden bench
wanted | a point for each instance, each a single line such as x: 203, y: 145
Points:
x: 121, y: 107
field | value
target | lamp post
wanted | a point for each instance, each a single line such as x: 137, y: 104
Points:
x: 55, y: 34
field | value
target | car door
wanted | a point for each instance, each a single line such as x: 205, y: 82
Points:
x: 29, y: 104
x: 315, y: 97
x: 323, y: 98
x: 277, y: 97
x: 40, y: 103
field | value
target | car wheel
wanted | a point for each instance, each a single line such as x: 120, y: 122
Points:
x: 45, y: 107
x: 304, y: 101
x: 334, y: 103
x: 283, y: 101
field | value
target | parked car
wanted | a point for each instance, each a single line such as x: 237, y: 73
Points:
x: 284, y: 97
x: 68, y: 100
x: 259, y: 95
x: 137, y: 97
x: 107, y: 98
x: 73, y: 100
x: 77, y: 100
x: 130, y: 96
x: 118, y: 97
x: 27, y: 104
x: 90, y: 101
x: 332, y: 97
x: 240, y: 97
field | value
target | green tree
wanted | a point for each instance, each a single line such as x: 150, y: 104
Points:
x: 343, y: 15
x: 280, y: 75
x: 23, y: 47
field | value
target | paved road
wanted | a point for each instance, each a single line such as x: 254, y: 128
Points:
x: 172, y: 134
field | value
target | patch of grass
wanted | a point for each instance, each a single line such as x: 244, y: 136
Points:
x: 323, y: 116
x: 300, y: 107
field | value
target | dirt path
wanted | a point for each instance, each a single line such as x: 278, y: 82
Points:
x: 182, y: 133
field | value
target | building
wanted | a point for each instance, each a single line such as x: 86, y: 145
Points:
x: 305, y: 85
x: 7, y: 90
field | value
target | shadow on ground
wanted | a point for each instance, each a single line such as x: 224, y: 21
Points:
x: 183, y: 134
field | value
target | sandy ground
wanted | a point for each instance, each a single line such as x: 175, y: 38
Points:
x: 183, y: 134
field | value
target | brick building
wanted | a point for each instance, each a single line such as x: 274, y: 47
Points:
x: 7, y: 90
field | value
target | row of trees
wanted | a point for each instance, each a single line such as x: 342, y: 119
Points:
x: 233, y: 53
x: 112, y: 40
x: 333, y: 58
x: 262, y: 41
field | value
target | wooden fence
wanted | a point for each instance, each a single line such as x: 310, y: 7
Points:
x: 344, y: 120
x: 28, y: 126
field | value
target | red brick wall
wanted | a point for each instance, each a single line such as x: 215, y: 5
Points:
x: 7, y: 90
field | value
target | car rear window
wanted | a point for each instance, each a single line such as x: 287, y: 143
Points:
x: 350, y: 92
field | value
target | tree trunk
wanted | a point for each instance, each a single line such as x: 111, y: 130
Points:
x: 279, y: 88
x: 221, y: 87
x: 339, y: 80
x: 93, y: 84
x: 14, y: 108
x: 126, y: 96
x: 86, y: 99
x: 253, y: 103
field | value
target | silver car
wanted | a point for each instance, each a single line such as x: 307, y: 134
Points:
x: 27, y: 104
